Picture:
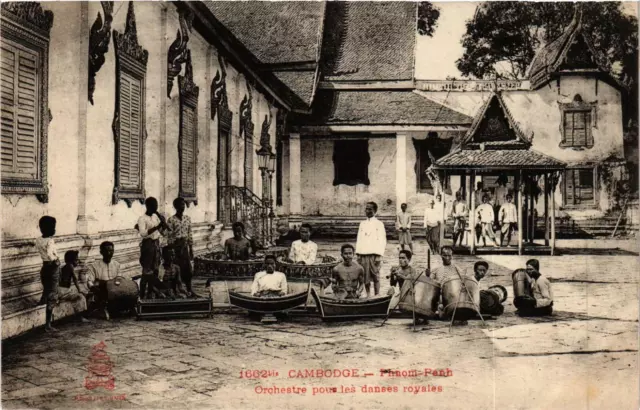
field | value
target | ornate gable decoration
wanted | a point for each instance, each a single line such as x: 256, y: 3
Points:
x: 265, y: 138
x: 219, y: 99
x: 494, y: 126
x: 131, y: 72
x: 99, y: 44
x: 127, y: 43
x: 246, y: 123
x: 178, y: 52
x: 29, y: 15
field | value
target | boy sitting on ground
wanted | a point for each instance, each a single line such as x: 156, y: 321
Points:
x: 66, y: 292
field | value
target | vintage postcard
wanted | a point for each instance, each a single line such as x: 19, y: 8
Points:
x: 319, y: 205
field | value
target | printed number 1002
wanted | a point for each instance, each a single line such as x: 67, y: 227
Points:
x: 257, y: 374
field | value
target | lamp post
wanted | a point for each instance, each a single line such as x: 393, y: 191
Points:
x: 271, y: 167
x: 263, y: 164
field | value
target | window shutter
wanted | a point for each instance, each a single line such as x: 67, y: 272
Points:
x: 568, y: 128
x: 20, y: 143
x: 187, y: 173
x: 587, y: 131
x: 579, y: 129
x: 130, y: 131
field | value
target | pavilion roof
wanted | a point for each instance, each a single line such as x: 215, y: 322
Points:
x: 501, y: 159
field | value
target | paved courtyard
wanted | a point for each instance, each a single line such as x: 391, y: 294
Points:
x: 584, y: 357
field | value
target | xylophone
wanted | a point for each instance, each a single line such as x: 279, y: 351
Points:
x: 165, y: 308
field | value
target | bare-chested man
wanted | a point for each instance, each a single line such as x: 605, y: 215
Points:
x: 348, y: 276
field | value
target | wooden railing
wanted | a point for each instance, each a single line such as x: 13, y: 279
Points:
x: 241, y: 204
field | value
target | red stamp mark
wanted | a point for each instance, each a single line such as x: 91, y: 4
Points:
x: 99, y: 367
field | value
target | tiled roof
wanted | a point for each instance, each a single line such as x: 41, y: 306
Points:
x: 498, y: 159
x: 380, y: 108
x: 275, y: 32
x: 366, y: 40
x: 302, y: 83
x: 495, y: 106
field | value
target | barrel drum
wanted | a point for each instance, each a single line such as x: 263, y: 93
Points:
x: 455, y: 298
x: 522, y: 294
x: 122, y: 294
x: 427, y: 296
x: 491, y: 300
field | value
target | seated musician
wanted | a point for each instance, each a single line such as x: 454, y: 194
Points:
x: 304, y: 251
x: 269, y: 283
x: 480, y: 270
x: 542, y: 302
x: 99, y: 273
x: 238, y: 248
x: 286, y: 235
x: 404, y: 271
x: 347, y: 276
x: 170, y: 273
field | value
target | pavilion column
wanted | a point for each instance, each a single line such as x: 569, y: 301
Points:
x: 546, y: 210
x: 472, y: 214
x: 295, y: 192
x: 401, y: 169
x: 519, y: 192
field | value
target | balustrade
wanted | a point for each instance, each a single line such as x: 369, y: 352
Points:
x: 241, y: 204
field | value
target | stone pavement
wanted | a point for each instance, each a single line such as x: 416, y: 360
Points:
x: 584, y: 357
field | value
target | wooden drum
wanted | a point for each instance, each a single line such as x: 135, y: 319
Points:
x: 427, y: 296
x: 454, y: 297
x: 491, y: 300
x: 122, y: 293
x: 522, y: 294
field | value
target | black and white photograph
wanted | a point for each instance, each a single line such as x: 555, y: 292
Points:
x: 319, y: 205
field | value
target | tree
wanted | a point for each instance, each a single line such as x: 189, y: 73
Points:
x: 428, y: 16
x: 502, y: 38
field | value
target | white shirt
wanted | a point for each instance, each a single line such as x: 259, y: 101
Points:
x: 99, y: 270
x: 485, y: 213
x: 146, y: 222
x: 432, y: 217
x: 403, y: 220
x: 275, y: 281
x: 459, y: 209
x: 508, y: 213
x: 303, y: 252
x: 372, y: 238
x: 47, y: 249
x: 501, y: 195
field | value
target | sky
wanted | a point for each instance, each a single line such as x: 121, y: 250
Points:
x: 436, y: 56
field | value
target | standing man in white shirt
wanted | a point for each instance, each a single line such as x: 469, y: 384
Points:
x: 508, y: 218
x: 304, y: 251
x: 370, y: 246
x: 150, y: 225
x: 486, y: 217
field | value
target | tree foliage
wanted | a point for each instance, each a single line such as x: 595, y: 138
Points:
x: 428, y: 16
x: 502, y: 38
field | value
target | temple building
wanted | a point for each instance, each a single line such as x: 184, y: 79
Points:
x: 267, y: 111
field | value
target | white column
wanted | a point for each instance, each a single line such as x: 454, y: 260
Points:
x: 401, y: 169
x: 553, y: 221
x: 472, y: 213
x: 295, y: 193
x: 86, y: 223
x: 166, y: 150
x: 519, y: 191
x: 211, y: 158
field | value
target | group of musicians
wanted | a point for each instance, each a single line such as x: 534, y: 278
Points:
x: 349, y: 277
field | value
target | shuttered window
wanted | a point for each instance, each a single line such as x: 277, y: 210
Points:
x: 131, y: 138
x: 579, y: 187
x: 21, y: 107
x: 188, y: 151
x: 577, y: 129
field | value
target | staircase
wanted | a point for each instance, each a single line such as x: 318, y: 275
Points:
x: 241, y: 204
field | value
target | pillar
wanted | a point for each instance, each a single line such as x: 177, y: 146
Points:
x: 401, y: 169
x: 295, y: 193
x: 553, y: 220
x: 546, y: 209
x: 444, y: 217
x: 518, y: 190
x: 472, y: 213
x: 86, y: 223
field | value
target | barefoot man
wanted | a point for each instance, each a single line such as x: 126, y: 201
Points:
x: 348, y: 276
x: 370, y: 245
